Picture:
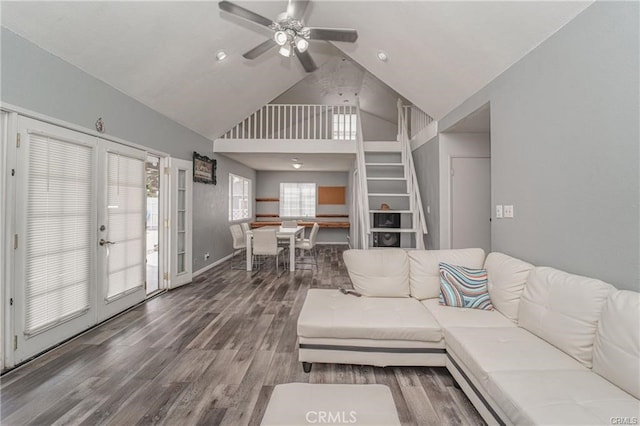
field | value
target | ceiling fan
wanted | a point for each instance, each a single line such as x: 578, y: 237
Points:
x: 290, y: 34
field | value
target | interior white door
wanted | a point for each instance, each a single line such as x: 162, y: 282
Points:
x: 471, y: 202
x: 54, y: 241
x: 181, y: 222
x: 121, y: 228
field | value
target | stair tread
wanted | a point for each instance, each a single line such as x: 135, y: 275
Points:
x: 393, y: 230
x: 386, y: 178
x: 384, y: 164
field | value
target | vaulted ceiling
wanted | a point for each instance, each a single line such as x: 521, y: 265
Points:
x: 163, y: 53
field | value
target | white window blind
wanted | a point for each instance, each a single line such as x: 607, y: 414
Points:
x: 297, y: 200
x: 344, y: 126
x: 126, y: 212
x: 239, y: 193
x: 58, y: 241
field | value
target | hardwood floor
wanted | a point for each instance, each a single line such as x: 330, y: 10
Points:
x: 208, y: 353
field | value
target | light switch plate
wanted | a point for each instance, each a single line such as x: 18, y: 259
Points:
x: 508, y: 211
x: 498, y: 211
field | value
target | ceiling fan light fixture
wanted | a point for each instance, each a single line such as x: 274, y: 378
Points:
x: 281, y: 38
x: 301, y: 43
x: 286, y: 50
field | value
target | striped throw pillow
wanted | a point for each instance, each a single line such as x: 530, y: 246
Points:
x: 464, y: 287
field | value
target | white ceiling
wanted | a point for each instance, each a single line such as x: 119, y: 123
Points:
x: 310, y: 162
x: 163, y: 53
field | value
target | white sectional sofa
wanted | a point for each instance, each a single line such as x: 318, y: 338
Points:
x: 557, y: 349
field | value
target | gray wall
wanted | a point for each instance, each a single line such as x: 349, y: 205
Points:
x: 211, y: 213
x: 268, y: 185
x: 426, y: 161
x: 377, y: 129
x: 565, y: 150
x: 38, y: 81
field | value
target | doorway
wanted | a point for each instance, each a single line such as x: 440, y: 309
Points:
x: 80, y: 246
x: 471, y: 202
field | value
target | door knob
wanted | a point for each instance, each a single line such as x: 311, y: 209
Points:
x: 104, y: 242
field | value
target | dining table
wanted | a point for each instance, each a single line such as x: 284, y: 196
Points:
x: 282, y: 233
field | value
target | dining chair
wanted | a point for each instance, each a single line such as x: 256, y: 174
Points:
x: 265, y: 243
x: 309, y: 244
x: 245, y: 228
x: 239, y: 245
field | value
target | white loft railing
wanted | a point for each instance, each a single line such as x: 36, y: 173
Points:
x: 280, y: 121
x: 363, y: 193
x: 419, y: 221
x: 417, y: 120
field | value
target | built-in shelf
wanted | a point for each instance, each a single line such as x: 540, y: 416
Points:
x: 332, y: 215
x: 264, y: 199
x: 267, y: 215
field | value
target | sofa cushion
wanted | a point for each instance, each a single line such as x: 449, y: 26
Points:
x: 425, y: 268
x: 486, y: 350
x: 462, y: 287
x: 563, y: 309
x: 507, y: 278
x: 379, y: 273
x: 329, y: 313
x: 463, y: 317
x: 578, y: 397
x: 616, y: 351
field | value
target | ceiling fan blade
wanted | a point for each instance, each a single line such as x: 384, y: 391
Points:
x: 333, y: 34
x: 259, y: 49
x: 240, y: 11
x: 296, y: 8
x: 306, y: 60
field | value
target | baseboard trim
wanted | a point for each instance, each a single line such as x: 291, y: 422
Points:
x: 213, y: 265
x: 372, y: 349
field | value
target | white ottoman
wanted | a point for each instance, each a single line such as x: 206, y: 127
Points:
x: 304, y: 403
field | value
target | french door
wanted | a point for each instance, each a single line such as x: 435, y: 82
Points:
x: 121, y: 228
x: 55, y: 242
x: 79, y: 240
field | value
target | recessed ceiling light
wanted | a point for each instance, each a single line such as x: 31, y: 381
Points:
x: 297, y: 165
x: 221, y: 55
x: 294, y: 159
x: 382, y: 55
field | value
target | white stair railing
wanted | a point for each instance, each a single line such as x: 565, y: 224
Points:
x: 363, y: 193
x: 285, y: 121
x: 418, y: 220
x: 417, y: 120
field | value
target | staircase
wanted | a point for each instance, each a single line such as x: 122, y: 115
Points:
x: 387, y: 176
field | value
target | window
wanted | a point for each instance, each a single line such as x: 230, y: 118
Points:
x: 239, y: 192
x: 297, y: 200
x: 344, y: 126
